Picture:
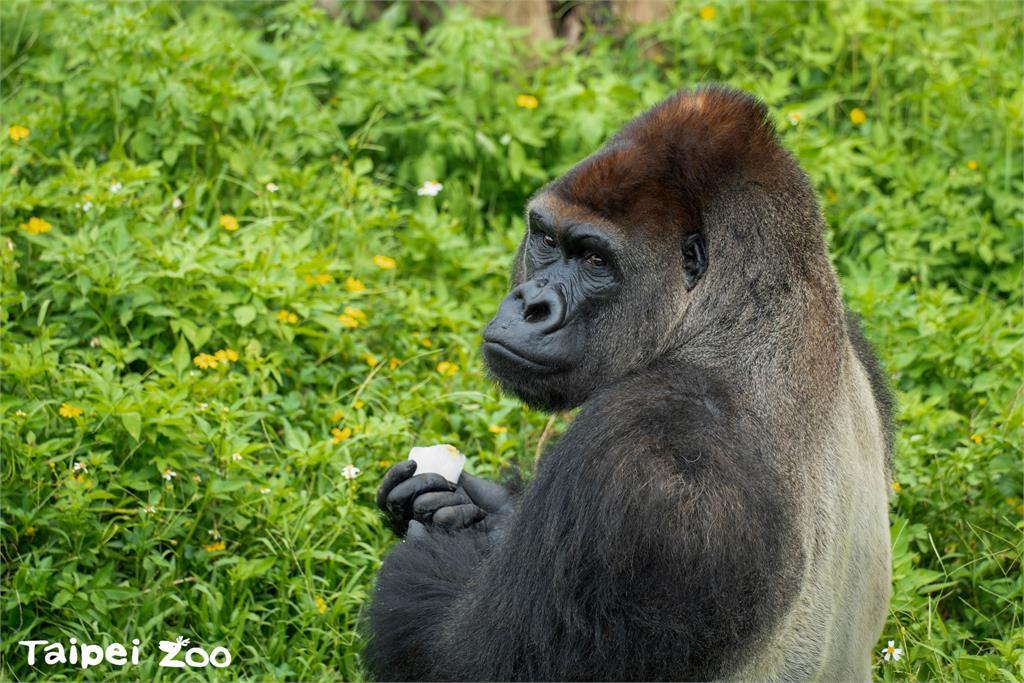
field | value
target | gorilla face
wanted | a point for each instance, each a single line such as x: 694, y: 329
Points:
x: 577, y: 317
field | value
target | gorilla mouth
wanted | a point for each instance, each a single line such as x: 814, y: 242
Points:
x: 496, y: 351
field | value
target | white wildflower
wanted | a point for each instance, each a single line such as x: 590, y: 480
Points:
x: 272, y: 187
x: 169, y: 474
x: 236, y: 457
x: 431, y: 188
x: 350, y: 472
x: 892, y: 651
x: 80, y: 467
x: 115, y: 187
x: 176, y: 203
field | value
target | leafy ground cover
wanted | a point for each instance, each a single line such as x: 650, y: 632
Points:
x: 226, y: 308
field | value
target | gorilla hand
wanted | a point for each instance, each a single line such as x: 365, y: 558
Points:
x: 399, y: 490
x: 485, y: 494
x: 428, y: 499
x: 470, y: 504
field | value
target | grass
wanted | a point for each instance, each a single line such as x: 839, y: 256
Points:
x: 211, y: 502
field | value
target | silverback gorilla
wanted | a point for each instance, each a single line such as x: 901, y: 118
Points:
x: 718, y: 507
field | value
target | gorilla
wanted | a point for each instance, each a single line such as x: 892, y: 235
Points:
x: 718, y: 507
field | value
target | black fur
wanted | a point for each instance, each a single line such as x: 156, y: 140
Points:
x: 879, y: 384
x: 655, y: 543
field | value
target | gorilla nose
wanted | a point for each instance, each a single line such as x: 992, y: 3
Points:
x: 542, y: 305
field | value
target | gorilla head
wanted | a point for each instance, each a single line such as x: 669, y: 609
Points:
x: 615, y: 249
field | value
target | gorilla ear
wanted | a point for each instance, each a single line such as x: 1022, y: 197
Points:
x: 695, y: 259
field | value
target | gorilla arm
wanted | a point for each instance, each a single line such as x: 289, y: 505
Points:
x: 448, y: 531
x: 651, y: 545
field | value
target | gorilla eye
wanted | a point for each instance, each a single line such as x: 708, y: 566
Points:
x: 596, y: 260
x: 549, y: 240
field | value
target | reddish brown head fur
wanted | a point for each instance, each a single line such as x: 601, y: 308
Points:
x: 667, y: 164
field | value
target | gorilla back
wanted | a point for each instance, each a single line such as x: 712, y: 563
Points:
x: 718, y: 508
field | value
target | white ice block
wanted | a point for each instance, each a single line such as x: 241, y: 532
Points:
x: 442, y: 459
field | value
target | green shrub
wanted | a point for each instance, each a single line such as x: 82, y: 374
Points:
x: 226, y: 377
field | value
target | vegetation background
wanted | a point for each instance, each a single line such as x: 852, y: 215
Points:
x: 222, y: 291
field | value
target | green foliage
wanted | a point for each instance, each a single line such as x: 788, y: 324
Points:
x: 130, y: 106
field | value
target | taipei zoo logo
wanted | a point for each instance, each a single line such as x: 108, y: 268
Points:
x: 176, y: 654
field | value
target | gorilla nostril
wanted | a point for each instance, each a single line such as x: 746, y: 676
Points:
x: 537, y: 312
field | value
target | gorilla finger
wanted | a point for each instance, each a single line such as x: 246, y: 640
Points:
x: 429, y: 503
x: 398, y: 473
x: 485, y: 493
x: 458, y: 517
x: 399, y: 501
x: 416, y: 530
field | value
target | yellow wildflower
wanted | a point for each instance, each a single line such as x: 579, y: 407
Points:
x: 983, y: 402
x: 339, y: 435
x: 446, y: 368
x: 17, y: 132
x: 384, y: 262
x: 231, y: 354
x: 36, y: 226
x: 707, y: 13
x: 857, y: 116
x: 384, y: 464
x: 355, y: 313
x: 321, y: 279
x: 358, y: 404
x: 426, y: 342
x: 338, y: 416
x: 973, y: 165
x: 896, y: 487
x: 214, y: 547
x: 394, y: 363
x: 68, y: 410
x: 205, y: 361
x: 497, y: 429
x: 527, y: 101
x: 348, y: 321
x: 221, y: 356
x: 229, y: 222
x: 794, y: 118
x: 287, y: 317
x: 354, y: 285
x: 321, y: 606
x: 977, y: 438
x: 370, y: 359
x: 30, y: 531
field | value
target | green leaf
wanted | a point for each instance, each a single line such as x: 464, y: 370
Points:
x: 244, y: 315
x: 133, y: 424
x: 181, y: 356
x: 247, y: 569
